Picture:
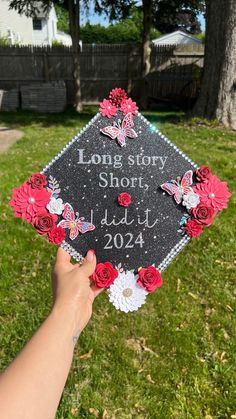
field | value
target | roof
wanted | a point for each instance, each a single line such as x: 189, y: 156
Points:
x: 177, y: 37
x: 45, y: 13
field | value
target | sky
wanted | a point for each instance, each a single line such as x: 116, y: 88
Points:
x: 94, y: 19
x: 203, y: 22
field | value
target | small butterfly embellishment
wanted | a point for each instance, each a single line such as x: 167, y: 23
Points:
x: 179, y: 187
x: 75, y: 223
x: 119, y: 131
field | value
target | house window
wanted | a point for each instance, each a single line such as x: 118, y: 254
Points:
x: 37, y: 24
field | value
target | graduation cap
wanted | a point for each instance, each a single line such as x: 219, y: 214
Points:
x: 124, y: 189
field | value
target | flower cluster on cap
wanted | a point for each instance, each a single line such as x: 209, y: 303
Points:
x: 117, y: 100
x: 31, y: 201
x: 210, y: 195
x: 127, y: 290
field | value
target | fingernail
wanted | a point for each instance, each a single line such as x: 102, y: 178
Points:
x: 90, y: 255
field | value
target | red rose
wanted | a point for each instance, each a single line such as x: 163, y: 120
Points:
x: 203, y: 214
x: 203, y: 173
x: 44, y: 221
x: 38, y: 181
x: 149, y: 278
x: 104, y: 275
x: 56, y: 235
x: 124, y: 199
x: 193, y: 228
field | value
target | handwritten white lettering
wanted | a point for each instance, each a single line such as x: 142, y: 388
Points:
x: 144, y: 219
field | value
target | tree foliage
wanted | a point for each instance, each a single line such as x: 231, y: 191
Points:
x: 124, y: 32
x: 167, y: 15
x: 30, y: 8
x: 62, y: 18
x: 128, y: 30
x: 114, y: 9
x: 171, y: 15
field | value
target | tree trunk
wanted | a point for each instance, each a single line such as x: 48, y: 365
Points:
x: 74, y: 23
x: 146, y: 52
x: 217, y: 97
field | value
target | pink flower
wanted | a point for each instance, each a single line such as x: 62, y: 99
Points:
x: 149, y: 278
x: 56, y: 235
x: 193, y: 228
x: 104, y: 275
x: 213, y: 193
x: 44, y: 221
x: 128, y: 106
x: 107, y: 109
x: 124, y: 199
x: 38, y: 181
x: 117, y: 96
x: 27, y: 202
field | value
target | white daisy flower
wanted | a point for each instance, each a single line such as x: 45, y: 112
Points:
x: 190, y: 200
x: 125, y: 294
x: 55, y: 206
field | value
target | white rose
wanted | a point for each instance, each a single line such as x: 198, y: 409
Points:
x: 191, y: 200
x: 55, y: 206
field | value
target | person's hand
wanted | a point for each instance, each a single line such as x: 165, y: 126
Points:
x: 72, y: 292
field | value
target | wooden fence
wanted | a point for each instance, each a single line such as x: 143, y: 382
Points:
x: 175, y: 70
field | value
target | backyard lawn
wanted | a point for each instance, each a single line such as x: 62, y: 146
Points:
x: 175, y: 357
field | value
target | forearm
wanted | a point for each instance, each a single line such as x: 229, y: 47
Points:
x: 32, y: 385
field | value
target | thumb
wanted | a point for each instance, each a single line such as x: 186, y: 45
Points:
x: 89, y: 263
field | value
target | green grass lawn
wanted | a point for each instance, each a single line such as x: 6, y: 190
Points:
x: 175, y: 357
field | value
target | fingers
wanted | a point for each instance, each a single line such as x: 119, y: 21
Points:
x: 89, y: 263
x: 96, y: 290
x: 62, y: 256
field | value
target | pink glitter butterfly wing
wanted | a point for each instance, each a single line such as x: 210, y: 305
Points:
x: 186, y: 181
x: 64, y: 224
x: 69, y: 221
x: 172, y: 188
x: 111, y: 131
x: 128, y: 121
x: 68, y: 213
x: 85, y: 226
x: 121, y: 139
x: 127, y: 126
x: 74, y: 231
x: 130, y: 133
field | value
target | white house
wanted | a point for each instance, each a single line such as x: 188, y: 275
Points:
x: 177, y: 37
x: 41, y: 30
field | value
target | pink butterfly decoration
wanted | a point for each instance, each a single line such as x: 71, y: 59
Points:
x: 75, y: 224
x: 179, y: 187
x: 121, y: 130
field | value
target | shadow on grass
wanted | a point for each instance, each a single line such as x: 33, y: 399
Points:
x: 164, y: 116
x: 67, y: 118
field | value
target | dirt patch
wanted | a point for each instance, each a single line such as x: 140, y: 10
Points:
x: 8, y: 137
